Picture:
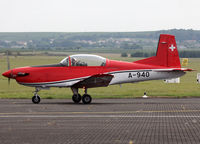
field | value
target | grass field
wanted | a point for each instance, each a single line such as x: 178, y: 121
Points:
x: 187, y: 88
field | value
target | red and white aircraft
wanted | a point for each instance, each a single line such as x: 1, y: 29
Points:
x: 89, y: 71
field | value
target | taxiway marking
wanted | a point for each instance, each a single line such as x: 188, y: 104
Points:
x: 96, y: 116
x: 89, y: 112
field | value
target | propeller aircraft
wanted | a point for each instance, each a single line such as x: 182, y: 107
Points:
x: 89, y: 71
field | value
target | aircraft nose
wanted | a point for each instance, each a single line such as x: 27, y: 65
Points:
x: 7, y: 74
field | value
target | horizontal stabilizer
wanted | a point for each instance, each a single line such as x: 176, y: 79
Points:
x: 175, y: 69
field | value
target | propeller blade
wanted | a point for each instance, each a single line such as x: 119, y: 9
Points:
x: 11, y: 74
x: 8, y: 81
x: 8, y: 61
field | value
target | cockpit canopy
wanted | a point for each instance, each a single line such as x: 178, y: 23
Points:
x: 84, y: 60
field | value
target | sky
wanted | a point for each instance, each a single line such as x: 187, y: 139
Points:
x: 98, y: 15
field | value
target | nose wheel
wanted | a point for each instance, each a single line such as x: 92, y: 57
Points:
x: 36, y: 97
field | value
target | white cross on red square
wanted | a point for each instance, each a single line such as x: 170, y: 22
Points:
x: 172, y: 47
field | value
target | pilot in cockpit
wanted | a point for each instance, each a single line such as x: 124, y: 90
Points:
x: 74, y: 61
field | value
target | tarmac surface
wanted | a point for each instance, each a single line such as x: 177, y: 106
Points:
x: 109, y: 121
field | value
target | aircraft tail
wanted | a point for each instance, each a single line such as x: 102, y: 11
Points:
x: 167, y: 53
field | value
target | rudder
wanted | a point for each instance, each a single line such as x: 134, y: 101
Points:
x: 166, y: 55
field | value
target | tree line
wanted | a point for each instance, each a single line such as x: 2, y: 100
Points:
x: 182, y: 54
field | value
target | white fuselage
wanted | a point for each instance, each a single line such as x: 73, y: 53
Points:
x: 143, y: 75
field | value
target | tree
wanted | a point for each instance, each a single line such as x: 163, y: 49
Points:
x: 128, y: 45
x: 137, y: 54
x: 124, y: 55
x: 8, y: 52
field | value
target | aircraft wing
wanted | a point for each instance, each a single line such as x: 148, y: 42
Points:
x: 99, y: 80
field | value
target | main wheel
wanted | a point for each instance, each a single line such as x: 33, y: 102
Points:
x: 76, y: 98
x: 86, y: 99
x: 36, y: 99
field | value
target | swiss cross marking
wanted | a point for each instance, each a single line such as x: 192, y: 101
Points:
x: 172, y: 47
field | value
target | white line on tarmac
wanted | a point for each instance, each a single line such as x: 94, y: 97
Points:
x: 95, y: 116
x: 97, y: 113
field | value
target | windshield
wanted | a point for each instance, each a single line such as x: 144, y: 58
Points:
x: 65, y: 61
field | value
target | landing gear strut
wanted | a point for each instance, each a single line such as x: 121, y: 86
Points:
x: 36, y: 97
x: 86, y: 98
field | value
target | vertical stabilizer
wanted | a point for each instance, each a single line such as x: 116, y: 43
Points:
x: 166, y: 55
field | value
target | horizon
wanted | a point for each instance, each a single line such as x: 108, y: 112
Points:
x: 100, y: 31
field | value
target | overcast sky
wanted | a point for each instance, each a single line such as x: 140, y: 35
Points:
x: 98, y: 15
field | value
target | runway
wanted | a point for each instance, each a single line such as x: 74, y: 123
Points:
x: 109, y: 121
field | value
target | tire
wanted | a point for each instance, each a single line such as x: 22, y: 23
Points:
x: 36, y: 99
x: 76, y: 98
x: 86, y: 99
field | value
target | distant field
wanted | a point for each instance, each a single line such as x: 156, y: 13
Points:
x: 187, y: 88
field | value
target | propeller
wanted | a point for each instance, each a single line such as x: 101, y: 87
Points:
x: 8, y: 62
x: 9, y: 74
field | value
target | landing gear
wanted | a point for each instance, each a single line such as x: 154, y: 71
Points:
x: 86, y: 98
x: 36, y: 97
x: 76, y: 98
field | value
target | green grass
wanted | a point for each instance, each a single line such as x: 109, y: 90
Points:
x: 187, y: 88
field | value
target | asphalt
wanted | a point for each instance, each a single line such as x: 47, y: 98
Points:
x: 109, y: 121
